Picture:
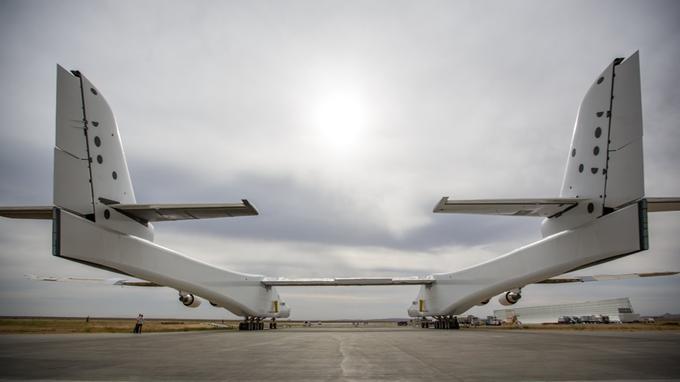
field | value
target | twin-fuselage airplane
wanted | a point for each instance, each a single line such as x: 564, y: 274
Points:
x: 600, y: 215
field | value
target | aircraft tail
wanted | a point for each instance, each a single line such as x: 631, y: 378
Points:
x: 605, y: 166
x: 90, y: 170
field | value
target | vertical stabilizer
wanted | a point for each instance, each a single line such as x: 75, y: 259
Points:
x: 90, y: 170
x: 604, y: 165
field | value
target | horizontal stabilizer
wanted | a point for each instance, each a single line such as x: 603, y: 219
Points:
x: 171, y: 212
x: 347, y: 281
x: 27, y: 212
x: 111, y: 281
x: 508, y: 207
x: 582, y: 279
x: 663, y: 204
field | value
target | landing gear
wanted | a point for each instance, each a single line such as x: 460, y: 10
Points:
x: 251, y: 323
x: 255, y: 323
x: 443, y: 322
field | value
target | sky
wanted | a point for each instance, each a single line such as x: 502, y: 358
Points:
x: 344, y: 123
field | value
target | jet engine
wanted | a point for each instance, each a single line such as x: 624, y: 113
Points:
x: 509, y: 298
x: 189, y: 300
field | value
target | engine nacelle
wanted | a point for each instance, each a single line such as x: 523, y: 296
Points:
x: 189, y: 300
x: 509, y: 298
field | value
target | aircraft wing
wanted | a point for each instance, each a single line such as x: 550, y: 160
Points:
x: 509, y: 207
x: 171, y: 212
x: 581, y: 279
x: 27, y: 212
x: 111, y: 281
x: 146, y: 212
x: 347, y: 281
x: 663, y: 204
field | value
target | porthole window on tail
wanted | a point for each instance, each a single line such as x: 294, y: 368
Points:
x: 93, y: 91
x: 580, y: 167
x: 596, y: 150
x: 593, y: 170
x: 591, y: 208
x: 598, y: 132
x: 97, y: 141
x: 114, y: 175
x: 599, y: 80
x: 100, y: 160
x: 107, y: 214
x: 573, y: 152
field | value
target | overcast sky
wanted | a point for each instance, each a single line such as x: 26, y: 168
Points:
x: 343, y: 122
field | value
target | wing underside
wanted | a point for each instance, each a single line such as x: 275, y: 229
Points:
x: 172, y: 212
x: 663, y: 204
x: 27, y: 212
x: 583, y: 279
x: 93, y: 280
x: 509, y: 207
x: 147, y: 212
x: 347, y: 281
x: 546, y: 208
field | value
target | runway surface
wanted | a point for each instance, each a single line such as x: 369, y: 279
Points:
x: 344, y: 354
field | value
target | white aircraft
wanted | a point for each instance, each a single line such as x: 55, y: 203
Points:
x: 600, y: 215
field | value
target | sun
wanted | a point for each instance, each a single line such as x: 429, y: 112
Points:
x: 340, y: 120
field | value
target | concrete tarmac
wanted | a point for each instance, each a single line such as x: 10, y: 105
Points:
x: 403, y: 354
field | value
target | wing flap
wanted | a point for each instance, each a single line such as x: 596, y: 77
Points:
x: 172, y: 212
x: 27, y: 212
x: 507, y: 207
x: 347, y: 281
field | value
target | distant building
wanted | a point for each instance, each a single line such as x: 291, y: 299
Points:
x: 618, y: 310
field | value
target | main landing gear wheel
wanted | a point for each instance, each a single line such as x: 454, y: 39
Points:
x: 255, y: 323
x: 251, y: 323
x: 443, y: 322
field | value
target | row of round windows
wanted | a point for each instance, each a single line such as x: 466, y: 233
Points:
x: 596, y: 151
x: 100, y: 159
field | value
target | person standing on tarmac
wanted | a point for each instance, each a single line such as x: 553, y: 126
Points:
x: 138, y: 324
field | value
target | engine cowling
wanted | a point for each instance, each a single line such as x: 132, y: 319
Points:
x: 509, y: 298
x: 189, y: 300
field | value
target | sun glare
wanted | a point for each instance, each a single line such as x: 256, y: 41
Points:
x: 340, y: 120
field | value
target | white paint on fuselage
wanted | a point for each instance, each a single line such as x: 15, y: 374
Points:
x: 609, y: 236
